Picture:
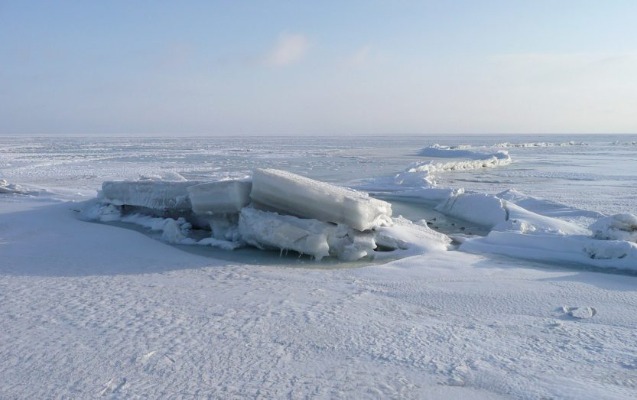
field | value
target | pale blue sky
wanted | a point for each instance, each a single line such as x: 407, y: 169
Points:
x: 308, y: 68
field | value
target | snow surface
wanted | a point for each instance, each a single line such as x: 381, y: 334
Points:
x: 93, y: 310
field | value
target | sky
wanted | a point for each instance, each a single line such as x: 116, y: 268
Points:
x: 317, y: 68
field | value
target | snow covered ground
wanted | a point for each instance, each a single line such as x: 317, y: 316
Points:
x: 100, y: 310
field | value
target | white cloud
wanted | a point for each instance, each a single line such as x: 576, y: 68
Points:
x: 289, y: 48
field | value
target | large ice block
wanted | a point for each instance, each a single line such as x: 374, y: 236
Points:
x: 270, y: 230
x: 319, y: 239
x: 157, y: 195
x: 220, y: 197
x: 304, y: 197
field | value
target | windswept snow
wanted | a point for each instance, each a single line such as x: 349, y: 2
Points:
x: 95, y: 310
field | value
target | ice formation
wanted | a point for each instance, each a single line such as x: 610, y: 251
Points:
x: 304, y: 197
x: 313, y: 218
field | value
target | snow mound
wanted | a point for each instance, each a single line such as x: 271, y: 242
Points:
x: 616, y: 227
x: 308, y: 198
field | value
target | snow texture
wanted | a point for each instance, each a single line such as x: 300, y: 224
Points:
x: 290, y: 193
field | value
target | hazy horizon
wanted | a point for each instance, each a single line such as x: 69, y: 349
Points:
x: 286, y: 69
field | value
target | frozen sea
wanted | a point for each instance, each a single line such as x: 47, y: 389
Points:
x: 95, y: 310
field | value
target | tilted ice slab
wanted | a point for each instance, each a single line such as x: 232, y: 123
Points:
x: 220, y: 197
x: 156, y: 195
x: 304, y: 197
x: 319, y: 239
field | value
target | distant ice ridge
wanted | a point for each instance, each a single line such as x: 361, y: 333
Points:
x: 540, y: 144
x: 423, y: 174
x: 274, y: 210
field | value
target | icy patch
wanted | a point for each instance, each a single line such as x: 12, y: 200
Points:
x: 616, y: 227
x: 304, y: 197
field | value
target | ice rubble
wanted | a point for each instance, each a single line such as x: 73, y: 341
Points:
x: 281, y: 210
x: 276, y: 209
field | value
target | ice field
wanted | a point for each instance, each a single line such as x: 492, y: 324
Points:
x: 378, y: 267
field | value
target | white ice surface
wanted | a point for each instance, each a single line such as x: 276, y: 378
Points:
x: 91, y: 310
x: 220, y: 197
x: 308, y: 198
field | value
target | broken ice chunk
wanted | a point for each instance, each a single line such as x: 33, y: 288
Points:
x: 319, y: 239
x: 304, y: 197
x: 220, y: 197
x: 157, y: 195
x: 270, y: 230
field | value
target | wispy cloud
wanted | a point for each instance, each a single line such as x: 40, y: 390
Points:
x: 289, y: 49
x: 359, y: 58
